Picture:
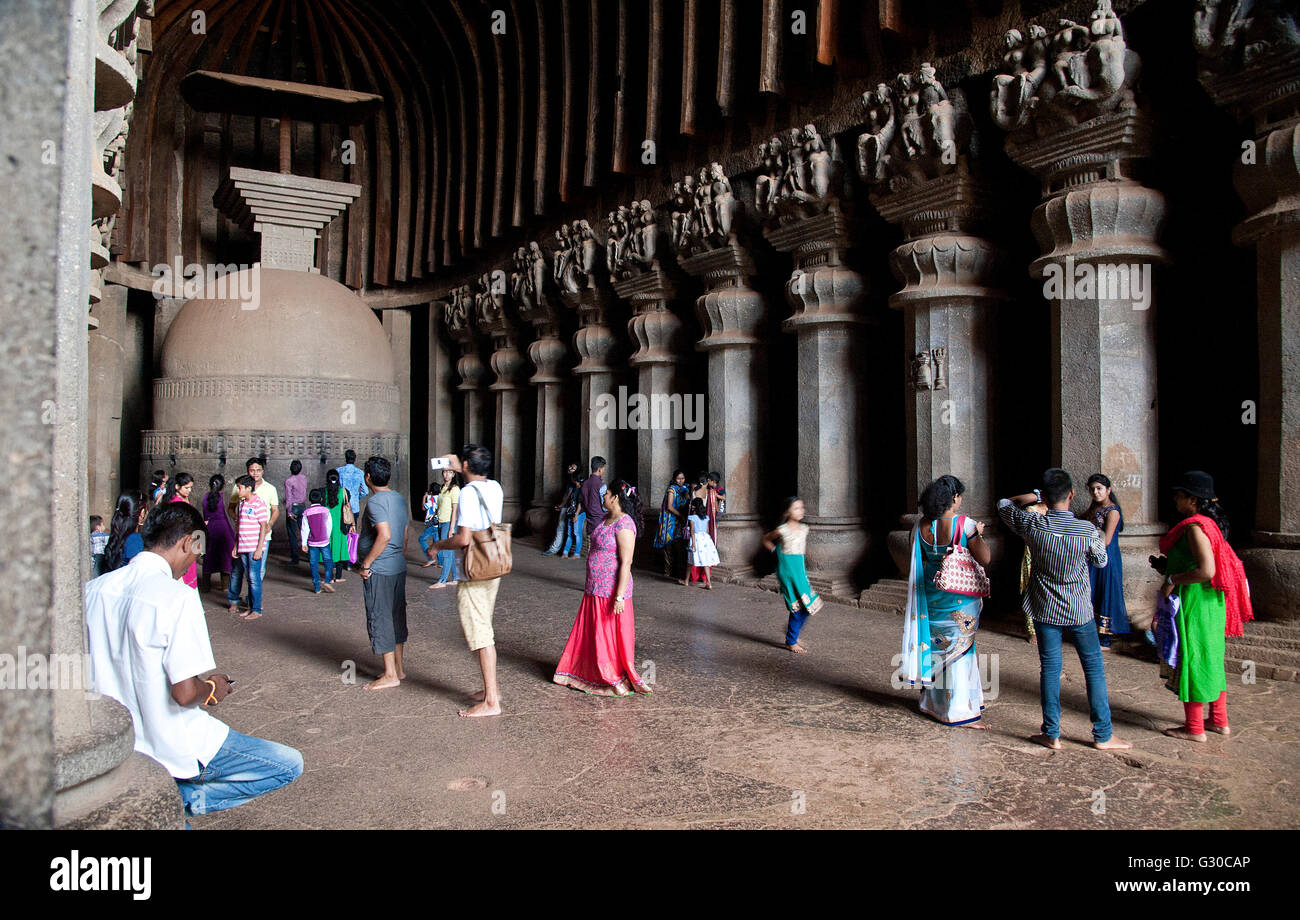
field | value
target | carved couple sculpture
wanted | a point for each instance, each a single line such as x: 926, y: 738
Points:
x: 913, y: 130
x: 704, y: 212
x: 631, y: 246
x: 1070, y: 76
x: 795, y: 178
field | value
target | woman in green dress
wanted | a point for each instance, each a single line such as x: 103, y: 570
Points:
x: 335, y: 498
x: 1214, y: 602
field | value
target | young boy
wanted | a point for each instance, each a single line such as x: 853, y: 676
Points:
x: 316, y: 529
x: 254, y: 519
x: 98, y: 543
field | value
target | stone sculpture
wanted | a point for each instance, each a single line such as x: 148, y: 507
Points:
x: 940, y: 357
x: 1229, y: 34
x: 1081, y: 72
x: 709, y: 223
x: 914, y: 132
x: 797, y: 177
x: 922, y: 376
x: 637, y: 246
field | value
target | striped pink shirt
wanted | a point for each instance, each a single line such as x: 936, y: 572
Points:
x: 252, y: 513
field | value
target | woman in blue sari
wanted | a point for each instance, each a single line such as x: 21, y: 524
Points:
x: 672, y: 532
x: 939, y: 626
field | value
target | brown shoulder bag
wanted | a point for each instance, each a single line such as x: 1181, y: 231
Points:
x: 488, y: 554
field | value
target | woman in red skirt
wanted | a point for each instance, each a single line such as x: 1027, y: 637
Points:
x: 599, y: 656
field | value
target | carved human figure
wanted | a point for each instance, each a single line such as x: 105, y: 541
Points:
x: 908, y: 98
x: 818, y: 163
x: 874, y: 143
x: 536, y: 272
x: 724, y: 201
x: 683, y: 203
x: 940, y: 117
x: 519, y: 278
x: 767, y: 186
x: 922, y: 377
x: 589, y: 248
x: 796, y: 166
x: 613, y: 239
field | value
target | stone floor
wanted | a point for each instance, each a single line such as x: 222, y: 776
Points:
x: 739, y: 733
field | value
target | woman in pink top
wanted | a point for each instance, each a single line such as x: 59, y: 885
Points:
x: 178, y: 490
x: 599, y: 656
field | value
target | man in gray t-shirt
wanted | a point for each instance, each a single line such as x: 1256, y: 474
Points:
x: 383, y: 571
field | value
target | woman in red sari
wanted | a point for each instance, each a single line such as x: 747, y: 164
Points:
x: 599, y: 656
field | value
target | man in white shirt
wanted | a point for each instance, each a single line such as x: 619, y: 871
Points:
x: 149, y: 647
x: 480, y: 505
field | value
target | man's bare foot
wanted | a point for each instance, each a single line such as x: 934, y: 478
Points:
x: 1182, y: 734
x: 708, y: 586
x: 383, y: 683
x: 1053, y: 743
x: 1219, y: 729
x: 401, y: 675
x: 250, y: 615
x: 481, y: 710
x: 478, y: 696
x: 977, y: 725
x: 441, y: 584
x: 1114, y: 744
x: 427, y: 564
x: 327, y: 587
x: 682, y: 582
x: 234, y: 608
x: 797, y: 648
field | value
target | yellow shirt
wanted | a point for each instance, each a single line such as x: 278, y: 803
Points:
x: 446, y: 499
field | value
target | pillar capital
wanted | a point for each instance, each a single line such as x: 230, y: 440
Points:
x: 1250, y: 59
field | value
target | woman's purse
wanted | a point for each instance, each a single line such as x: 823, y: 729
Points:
x: 346, y: 516
x: 488, y: 554
x: 959, y: 573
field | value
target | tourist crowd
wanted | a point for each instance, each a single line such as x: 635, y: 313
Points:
x: 150, y: 647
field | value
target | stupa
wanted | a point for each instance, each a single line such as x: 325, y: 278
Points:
x: 276, y: 360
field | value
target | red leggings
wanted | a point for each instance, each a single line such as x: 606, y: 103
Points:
x: 698, y: 573
x: 1194, y: 714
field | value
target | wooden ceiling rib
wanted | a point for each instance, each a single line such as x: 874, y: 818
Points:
x: 461, y: 157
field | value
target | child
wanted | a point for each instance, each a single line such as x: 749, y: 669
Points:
x: 98, y: 543
x: 703, y: 552
x: 316, y: 530
x: 430, y: 533
x: 254, y: 517
x: 791, y: 574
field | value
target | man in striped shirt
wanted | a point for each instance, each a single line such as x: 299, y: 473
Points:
x: 1059, y: 598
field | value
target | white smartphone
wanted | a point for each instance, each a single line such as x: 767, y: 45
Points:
x: 440, y: 463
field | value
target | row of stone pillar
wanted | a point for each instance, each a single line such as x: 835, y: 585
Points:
x: 1076, y: 123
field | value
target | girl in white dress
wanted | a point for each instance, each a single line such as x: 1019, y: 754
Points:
x: 703, y: 553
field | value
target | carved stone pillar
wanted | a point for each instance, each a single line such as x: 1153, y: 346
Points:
x: 575, y: 272
x: 794, y: 194
x: 507, y: 362
x: 921, y: 180
x: 657, y: 410
x: 459, y: 315
x: 732, y: 315
x: 1252, y: 67
x: 107, y: 362
x: 1097, y: 228
x: 548, y: 355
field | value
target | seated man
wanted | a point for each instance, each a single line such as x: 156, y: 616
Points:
x: 149, y: 647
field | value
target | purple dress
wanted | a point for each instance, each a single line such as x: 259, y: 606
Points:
x: 221, y: 535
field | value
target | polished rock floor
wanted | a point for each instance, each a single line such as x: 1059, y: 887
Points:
x: 739, y: 733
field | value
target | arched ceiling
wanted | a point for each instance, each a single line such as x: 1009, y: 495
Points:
x: 496, y: 114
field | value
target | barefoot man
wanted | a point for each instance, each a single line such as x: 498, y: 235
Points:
x: 383, y: 571
x: 1060, y: 600
x: 480, y: 505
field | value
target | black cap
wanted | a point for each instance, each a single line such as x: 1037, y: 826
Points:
x: 1196, y: 483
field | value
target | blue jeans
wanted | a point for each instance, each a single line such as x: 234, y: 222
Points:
x: 568, y: 535
x: 449, y: 559
x: 1086, y: 644
x: 315, y: 556
x: 245, y: 562
x: 293, y: 523
x: 431, y: 533
x: 243, y: 769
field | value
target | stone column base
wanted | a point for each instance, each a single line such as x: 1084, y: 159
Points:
x: 739, y: 542
x: 835, y: 548
x: 1274, y: 576
x: 540, y: 520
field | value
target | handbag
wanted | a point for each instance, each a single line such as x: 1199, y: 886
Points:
x: 346, y: 517
x: 353, y: 539
x: 488, y: 554
x: 959, y: 573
